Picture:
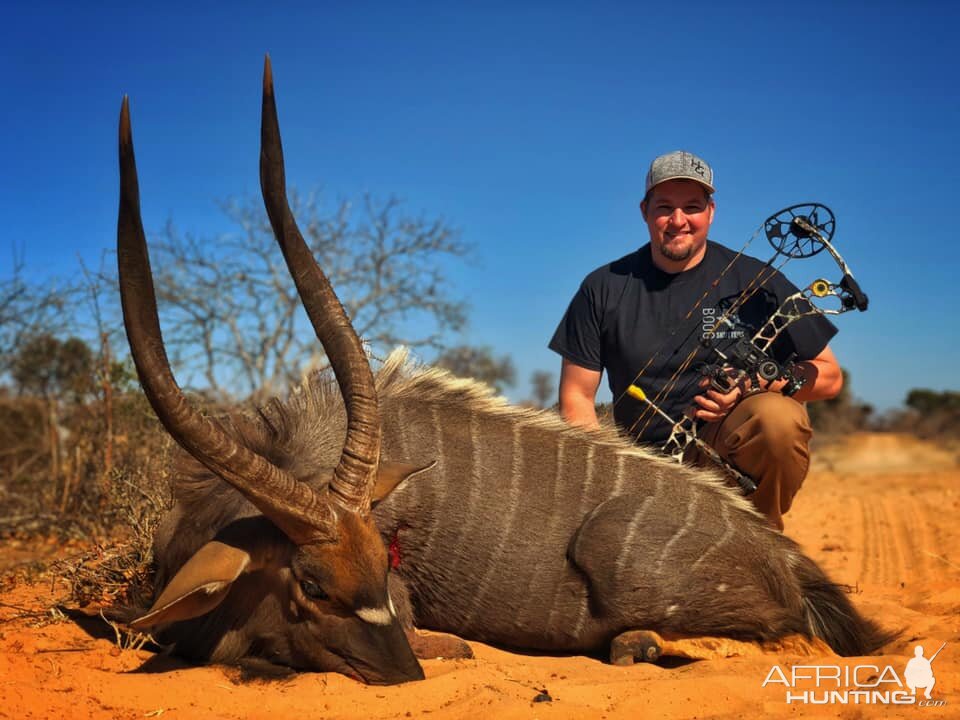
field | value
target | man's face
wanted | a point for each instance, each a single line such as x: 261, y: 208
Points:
x: 678, y: 215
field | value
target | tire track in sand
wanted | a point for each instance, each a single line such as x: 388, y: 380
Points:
x: 874, y: 569
x: 896, y: 541
x: 914, y: 542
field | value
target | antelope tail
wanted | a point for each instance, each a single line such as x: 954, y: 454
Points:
x: 830, y: 615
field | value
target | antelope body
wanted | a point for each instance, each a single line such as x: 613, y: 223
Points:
x: 502, y: 524
x: 534, y: 534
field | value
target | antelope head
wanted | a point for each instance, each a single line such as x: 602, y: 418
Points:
x: 334, y: 566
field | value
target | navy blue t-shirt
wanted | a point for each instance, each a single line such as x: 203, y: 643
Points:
x: 630, y: 316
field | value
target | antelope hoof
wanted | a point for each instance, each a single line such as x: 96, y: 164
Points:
x: 438, y: 645
x: 635, y: 646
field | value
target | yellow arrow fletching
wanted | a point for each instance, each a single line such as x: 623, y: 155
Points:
x: 635, y: 392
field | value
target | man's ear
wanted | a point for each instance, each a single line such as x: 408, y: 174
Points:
x: 643, y: 208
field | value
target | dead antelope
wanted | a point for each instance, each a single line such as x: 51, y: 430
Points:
x: 519, y: 530
x: 290, y: 567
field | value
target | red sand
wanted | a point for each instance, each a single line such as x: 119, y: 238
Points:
x: 879, y: 513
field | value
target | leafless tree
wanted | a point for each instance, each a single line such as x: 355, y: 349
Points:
x: 28, y: 310
x: 221, y: 293
x: 12, y: 291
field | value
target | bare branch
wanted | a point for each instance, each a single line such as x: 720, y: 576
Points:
x: 237, y: 315
x: 28, y: 310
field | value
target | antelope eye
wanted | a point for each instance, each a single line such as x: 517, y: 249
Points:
x: 313, y: 591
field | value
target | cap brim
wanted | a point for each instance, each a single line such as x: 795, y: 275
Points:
x: 707, y: 185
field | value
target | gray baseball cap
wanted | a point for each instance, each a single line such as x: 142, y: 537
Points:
x: 679, y: 165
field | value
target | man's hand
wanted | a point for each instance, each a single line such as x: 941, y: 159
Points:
x: 823, y: 376
x: 714, y: 405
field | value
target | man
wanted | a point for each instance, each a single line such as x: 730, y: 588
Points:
x: 642, y: 319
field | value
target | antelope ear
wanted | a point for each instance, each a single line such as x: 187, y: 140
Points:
x: 391, y: 474
x: 199, y: 586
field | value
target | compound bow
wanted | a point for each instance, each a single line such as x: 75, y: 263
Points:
x: 797, y: 232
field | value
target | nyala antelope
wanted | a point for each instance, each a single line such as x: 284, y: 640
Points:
x: 314, y: 533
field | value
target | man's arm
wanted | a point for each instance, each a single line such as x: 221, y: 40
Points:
x: 824, y: 379
x: 578, y: 394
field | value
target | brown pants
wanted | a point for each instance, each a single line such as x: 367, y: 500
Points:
x: 766, y: 436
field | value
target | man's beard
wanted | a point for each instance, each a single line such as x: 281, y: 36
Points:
x: 676, y: 255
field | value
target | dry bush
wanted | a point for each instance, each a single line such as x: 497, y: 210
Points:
x: 23, y: 449
x: 105, y: 495
x: 112, y: 510
x: 118, y: 574
x: 940, y: 425
x: 110, y: 479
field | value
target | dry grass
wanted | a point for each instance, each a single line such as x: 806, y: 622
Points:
x: 103, y: 498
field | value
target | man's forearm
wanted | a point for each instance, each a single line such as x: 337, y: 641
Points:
x: 824, y: 380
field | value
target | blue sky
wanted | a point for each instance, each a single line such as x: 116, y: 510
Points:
x: 527, y: 125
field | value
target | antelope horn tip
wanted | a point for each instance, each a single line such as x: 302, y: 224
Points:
x: 125, y: 134
x: 267, y: 74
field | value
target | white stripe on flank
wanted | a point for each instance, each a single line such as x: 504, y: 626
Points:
x: 476, y: 479
x: 577, y: 630
x: 558, y: 481
x: 727, y: 534
x: 618, y: 479
x: 466, y: 534
x: 375, y: 616
x: 627, y: 549
x: 426, y: 546
x: 533, y: 616
x: 687, y: 524
x: 588, y: 480
x: 511, y: 502
x: 584, y: 510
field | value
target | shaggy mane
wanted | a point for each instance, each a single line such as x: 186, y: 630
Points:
x: 305, y: 431
x: 403, y: 379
